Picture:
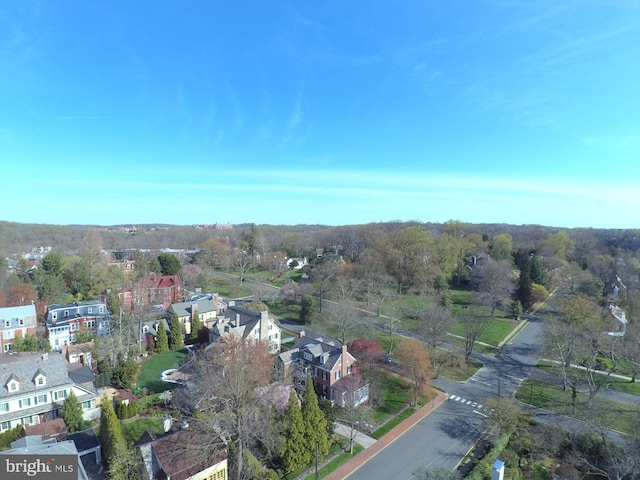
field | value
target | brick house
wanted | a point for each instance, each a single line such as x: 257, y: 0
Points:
x: 152, y: 290
x: 324, y: 359
x: 16, y: 322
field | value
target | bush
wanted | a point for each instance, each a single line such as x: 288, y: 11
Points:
x: 126, y: 410
x: 150, y: 400
x: 10, y: 436
x: 103, y: 379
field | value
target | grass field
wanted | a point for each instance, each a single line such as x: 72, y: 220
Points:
x: 336, y: 462
x: 396, y: 396
x: 134, y: 429
x: 156, y: 364
x: 614, y: 415
x: 495, y: 332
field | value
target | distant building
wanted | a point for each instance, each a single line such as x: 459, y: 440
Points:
x: 65, y: 321
x: 16, y: 322
x: 153, y: 290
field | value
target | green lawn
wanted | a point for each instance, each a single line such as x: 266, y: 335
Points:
x: 613, y: 383
x: 395, y: 396
x: 134, y: 429
x: 615, y: 415
x: 495, y: 332
x: 336, y: 462
x: 156, y: 364
x: 393, y: 423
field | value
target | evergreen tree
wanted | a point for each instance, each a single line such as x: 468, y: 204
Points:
x: 315, y: 423
x: 175, y: 333
x: 113, y: 304
x: 124, y: 465
x: 295, y: 453
x: 162, y: 342
x: 111, y: 436
x: 195, y: 324
x: 169, y: 264
x: 523, y: 292
x: 71, y: 413
x: 307, y: 309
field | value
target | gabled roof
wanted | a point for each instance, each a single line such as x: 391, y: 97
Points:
x: 25, y: 365
x: 84, y: 440
x: 161, y: 281
x: 184, y: 453
x: 185, y: 309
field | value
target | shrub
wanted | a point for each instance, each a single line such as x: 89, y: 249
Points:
x: 10, y: 436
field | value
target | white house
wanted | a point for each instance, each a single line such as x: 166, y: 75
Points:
x: 242, y: 323
x: 33, y: 387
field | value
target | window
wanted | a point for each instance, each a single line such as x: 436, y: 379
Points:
x: 7, y: 347
x: 4, y: 407
x: 60, y: 394
x: 7, y: 323
x: 21, y: 322
x: 66, y: 313
x: 5, y: 425
x: 41, y: 380
x: 13, y: 386
x: 101, y: 309
x: 9, y: 334
x: 74, y: 326
x: 41, y: 399
x: 24, y: 403
x: 89, y: 310
x: 54, y: 315
x: 89, y: 324
x: 338, y: 375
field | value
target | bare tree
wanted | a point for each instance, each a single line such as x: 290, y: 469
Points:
x: 321, y: 277
x: 223, y: 390
x: 434, y: 321
x: 377, y: 288
x: 241, y: 264
x: 474, y: 327
x: 495, y: 282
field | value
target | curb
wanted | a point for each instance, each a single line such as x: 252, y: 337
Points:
x: 360, y: 459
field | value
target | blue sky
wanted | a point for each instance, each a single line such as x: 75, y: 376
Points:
x: 331, y: 112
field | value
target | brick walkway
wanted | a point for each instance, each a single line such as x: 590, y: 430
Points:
x: 356, y: 462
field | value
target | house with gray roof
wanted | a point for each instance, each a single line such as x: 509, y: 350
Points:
x: 239, y: 322
x: 16, y: 322
x: 203, y: 310
x: 66, y: 320
x: 55, y: 452
x: 327, y: 363
x: 33, y: 387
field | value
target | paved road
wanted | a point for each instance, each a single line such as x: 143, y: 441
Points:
x: 444, y: 437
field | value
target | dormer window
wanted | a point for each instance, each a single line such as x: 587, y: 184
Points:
x: 40, y: 379
x: 13, y: 385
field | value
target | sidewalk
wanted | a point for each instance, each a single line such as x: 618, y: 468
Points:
x: 356, y: 462
x: 364, y: 440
